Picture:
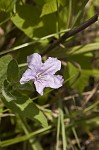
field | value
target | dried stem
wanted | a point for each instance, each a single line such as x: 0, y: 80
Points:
x: 91, y: 94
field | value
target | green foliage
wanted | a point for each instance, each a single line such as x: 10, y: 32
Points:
x: 12, y: 71
x: 30, y: 26
x: 4, y: 17
x: 61, y: 124
x: 7, y: 5
x: 21, y: 104
x: 49, y: 7
x: 81, y: 72
x: 62, y: 2
x: 39, y: 2
x: 84, y: 48
x: 6, y: 9
x: 16, y: 98
x: 35, y: 26
x: 3, y: 68
x: 78, y: 10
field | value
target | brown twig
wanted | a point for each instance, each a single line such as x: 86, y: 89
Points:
x: 70, y: 33
x: 67, y: 98
x: 91, y: 94
x: 77, y: 95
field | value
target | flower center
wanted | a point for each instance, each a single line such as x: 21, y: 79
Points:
x: 39, y: 75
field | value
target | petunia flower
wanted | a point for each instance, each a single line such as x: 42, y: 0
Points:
x: 42, y: 74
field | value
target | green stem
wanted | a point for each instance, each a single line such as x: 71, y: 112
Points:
x: 31, y: 43
x: 69, y: 13
x: 58, y: 18
x: 58, y: 131
x: 27, y: 131
x: 64, y: 140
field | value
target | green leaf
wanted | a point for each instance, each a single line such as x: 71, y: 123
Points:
x: 6, y: 91
x: 62, y: 2
x: 84, y: 48
x: 82, y: 72
x: 6, y: 5
x: 4, y: 17
x: 72, y: 70
x: 12, y: 71
x: 82, y: 81
x: 39, y: 2
x: 3, y: 68
x: 6, y: 8
x: 49, y: 7
x: 34, y: 27
x: 95, y: 73
x: 27, y: 87
x: 22, y: 105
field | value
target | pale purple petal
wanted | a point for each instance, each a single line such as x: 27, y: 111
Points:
x: 54, y: 81
x: 42, y: 73
x: 28, y: 75
x: 51, y: 66
x: 34, y: 62
x: 39, y: 87
x: 41, y: 83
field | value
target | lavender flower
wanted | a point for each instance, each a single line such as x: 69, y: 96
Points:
x: 43, y: 74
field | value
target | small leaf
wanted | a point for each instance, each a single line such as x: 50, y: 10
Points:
x: 49, y: 7
x: 12, y: 71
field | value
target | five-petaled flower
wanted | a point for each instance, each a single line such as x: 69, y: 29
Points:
x: 43, y: 74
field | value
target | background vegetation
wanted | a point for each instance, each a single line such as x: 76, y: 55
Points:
x: 62, y: 119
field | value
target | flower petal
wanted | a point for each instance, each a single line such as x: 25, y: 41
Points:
x: 39, y: 87
x: 51, y: 65
x: 34, y: 62
x: 54, y: 81
x: 28, y: 75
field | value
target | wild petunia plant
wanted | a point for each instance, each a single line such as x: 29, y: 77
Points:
x: 42, y: 74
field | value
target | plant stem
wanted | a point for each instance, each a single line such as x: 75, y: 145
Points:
x: 70, y: 33
x: 34, y: 144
